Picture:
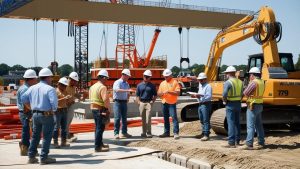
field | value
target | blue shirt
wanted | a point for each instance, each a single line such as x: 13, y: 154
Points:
x: 120, y: 84
x: 206, y: 91
x: 42, y: 97
x: 146, y: 91
x: 20, y: 92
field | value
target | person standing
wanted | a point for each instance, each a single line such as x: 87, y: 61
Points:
x: 60, y: 116
x: 204, y: 97
x: 43, y: 102
x: 100, y: 108
x: 254, y: 93
x: 232, y: 95
x: 121, y: 92
x: 71, y: 90
x: 25, y: 113
x: 169, y: 90
x: 146, y: 95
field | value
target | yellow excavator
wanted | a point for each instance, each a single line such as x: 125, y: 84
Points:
x: 282, y: 81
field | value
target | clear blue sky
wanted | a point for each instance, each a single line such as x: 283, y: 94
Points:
x: 16, y: 37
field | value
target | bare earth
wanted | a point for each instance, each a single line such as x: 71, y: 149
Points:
x: 282, y: 149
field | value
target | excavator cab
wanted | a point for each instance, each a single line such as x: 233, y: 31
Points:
x: 286, y: 61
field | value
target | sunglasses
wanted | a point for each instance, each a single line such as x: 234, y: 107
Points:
x: 147, y: 77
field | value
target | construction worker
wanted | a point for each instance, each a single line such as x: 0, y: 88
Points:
x: 43, y: 102
x: 254, y: 93
x: 121, y: 92
x: 232, y: 95
x: 204, y: 96
x: 100, y: 108
x: 60, y: 116
x: 72, y: 83
x: 24, y: 113
x: 169, y: 90
x: 146, y: 95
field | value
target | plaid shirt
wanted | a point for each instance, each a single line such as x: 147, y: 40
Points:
x: 250, y: 89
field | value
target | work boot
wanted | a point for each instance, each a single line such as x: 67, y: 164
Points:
x: 32, y: 160
x: 176, y: 136
x: 199, y: 136
x: 23, y: 150
x: 246, y: 147
x: 164, y: 135
x: 56, y: 145
x: 259, y: 146
x: 101, y: 149
x: 143, y: 135
x: 48, y: 160
x: 125, y: 135
x: 228, y: 146
x: 117, y: 136
x: 105, y: 145
x: 64, y: 143
x: 205, y: 138
x: 149, y: 135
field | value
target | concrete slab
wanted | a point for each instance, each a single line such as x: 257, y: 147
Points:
x: 81, y: 155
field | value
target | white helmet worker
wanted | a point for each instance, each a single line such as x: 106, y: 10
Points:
x: 63, y: 81
x: 45, y: 72
x: 230, y: 69
x: 167, y: 72
x: 126, y: 72
x: 148, y: 73
x: 29, y: 74
x: 103, y: 72
x: 74, y: 76
x: 254, y: 70
x: 202, y: 76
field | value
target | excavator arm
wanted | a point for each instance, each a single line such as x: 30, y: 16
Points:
x: 264, y: 29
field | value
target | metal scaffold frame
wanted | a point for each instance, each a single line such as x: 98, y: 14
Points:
x: 81, y: 54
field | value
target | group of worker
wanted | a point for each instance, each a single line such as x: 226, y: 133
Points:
x: 232, y: 96
x: 49, y: 108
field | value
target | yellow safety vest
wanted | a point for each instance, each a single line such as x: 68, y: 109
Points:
x: 94, y: 94
x: 257, y: 96
x: 234, y: 94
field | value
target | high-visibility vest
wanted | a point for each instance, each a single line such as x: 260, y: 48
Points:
x: 235, y: 92
x: 257, y: 96
x: 94, y: 94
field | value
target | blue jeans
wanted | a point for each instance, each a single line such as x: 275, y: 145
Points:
x: 254, y: 121
x: 120, y: 113
x: 24, y: 118
x: 99, y: 127
x: 233, y: 111
x: 43, y: 124
x: 60, y: 119
x: 170, y: 109
x: 204, y: 116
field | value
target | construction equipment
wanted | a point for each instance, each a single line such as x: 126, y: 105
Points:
x: 282, y: 94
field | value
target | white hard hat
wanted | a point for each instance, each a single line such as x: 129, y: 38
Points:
x: 254, y: 70
x: 45, y: 72
x: 74, y: 76
x: 230, y: 69
x: 126, y: 72
x: 147, y: 73
x: 63, y: 81
x: 201, y: 76
x: 103, y: 72
x: 29, y: 74
x: 167, y: 72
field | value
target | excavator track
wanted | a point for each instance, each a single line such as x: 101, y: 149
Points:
x: 218, y: 121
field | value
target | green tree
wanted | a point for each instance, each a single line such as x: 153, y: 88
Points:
x: 175, y: 70
x: 297, y: 65
x: 4, y: 68
x: 17, y: 67
x: 196, y: 69
x: 65, y: 70
x: 1, y: 81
